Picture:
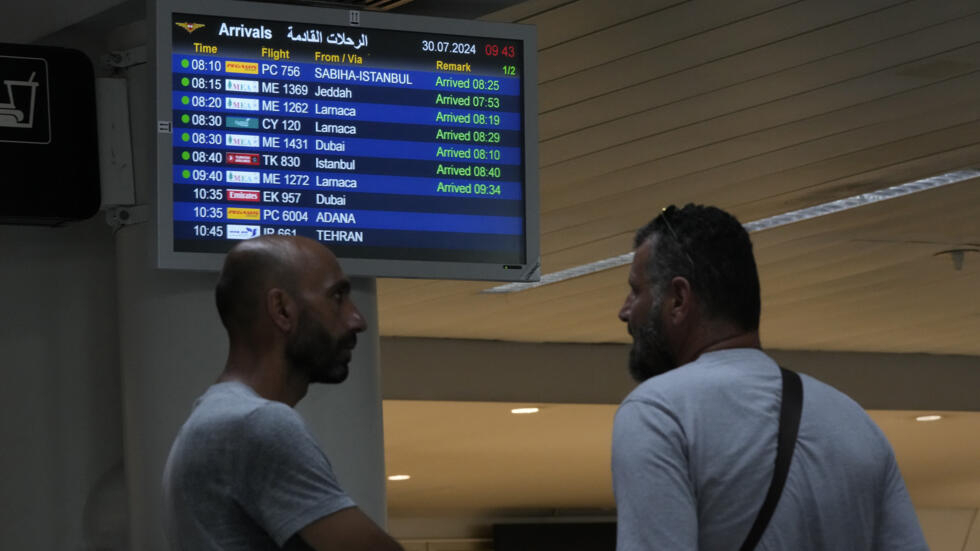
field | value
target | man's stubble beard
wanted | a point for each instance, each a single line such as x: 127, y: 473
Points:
x: 650, y: 354
x: 314, y: 352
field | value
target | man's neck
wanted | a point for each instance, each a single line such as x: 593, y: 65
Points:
x: 719, y: 337
x: 739, y: 340
x: 268, y: 375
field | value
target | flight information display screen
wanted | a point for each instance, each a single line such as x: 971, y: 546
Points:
x: 404, y: 147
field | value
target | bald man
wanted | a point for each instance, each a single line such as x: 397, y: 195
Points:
x: 245, y: 472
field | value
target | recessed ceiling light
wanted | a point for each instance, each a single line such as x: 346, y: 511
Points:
x: 524, y: 411
x: 925, y: 418
x: 399, y: 477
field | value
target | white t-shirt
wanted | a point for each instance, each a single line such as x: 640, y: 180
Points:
x: 693, y: 456
x: 245, y: 474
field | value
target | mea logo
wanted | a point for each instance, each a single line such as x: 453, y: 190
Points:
x: 189, y: 27
x: 239, y: 231
x: 25, y: 112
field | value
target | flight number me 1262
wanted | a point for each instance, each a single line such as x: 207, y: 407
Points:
x: 446, y: 47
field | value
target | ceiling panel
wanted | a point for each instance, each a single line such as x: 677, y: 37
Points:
x: 760, y: 107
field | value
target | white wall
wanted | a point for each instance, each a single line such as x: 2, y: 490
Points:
x: 61, y: 426
x: 32, y: 20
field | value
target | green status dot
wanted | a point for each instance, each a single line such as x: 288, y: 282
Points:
x: 185, y: 81
x: 184, y: 63
x: 186, y: 174
x: 185, y: 100
x: 185, y: 118
x: 185, y: 155
x: 185, y: 136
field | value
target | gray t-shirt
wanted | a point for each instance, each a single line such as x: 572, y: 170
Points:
x: 693, y: 455
x: 245, y: 474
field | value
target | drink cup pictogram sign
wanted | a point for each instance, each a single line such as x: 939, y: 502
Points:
x: 24, y: 106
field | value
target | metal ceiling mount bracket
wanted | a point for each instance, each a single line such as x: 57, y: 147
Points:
x: 126, y: 215
x: 125, y: 58
x: 958, y: 256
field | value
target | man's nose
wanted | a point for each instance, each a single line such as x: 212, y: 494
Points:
x: 357, y: 322
x: 624, y: 311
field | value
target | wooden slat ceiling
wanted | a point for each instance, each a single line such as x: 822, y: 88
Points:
x: 760, y: 107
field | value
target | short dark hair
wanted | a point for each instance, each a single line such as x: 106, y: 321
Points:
x: 710, y: 248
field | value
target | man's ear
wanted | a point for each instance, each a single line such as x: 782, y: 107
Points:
x: 282, y: 309
x: 681, y: 299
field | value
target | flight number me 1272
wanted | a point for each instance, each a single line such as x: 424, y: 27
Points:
x: 446, y: 47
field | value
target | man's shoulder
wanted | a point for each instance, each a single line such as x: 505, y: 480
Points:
x: 825, y: 393
x: 275, y: 420
x: 714, y: 371
x: 229, y: 420
x: 233, y: 407
x: 833, y: 409
x: 225, y: 402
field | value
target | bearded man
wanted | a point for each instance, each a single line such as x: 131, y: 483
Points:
x: 244, y: 472
x: 695, y: 444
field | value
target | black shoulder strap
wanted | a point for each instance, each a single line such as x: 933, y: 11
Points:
x: 789, y: 425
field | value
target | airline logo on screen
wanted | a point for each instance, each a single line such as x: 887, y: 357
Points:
x: 189, y: 27
x: 242, y: 67
x: 251, y: 159
x: 241, y: 231
x: 240, y: 213
x: 250, y: 195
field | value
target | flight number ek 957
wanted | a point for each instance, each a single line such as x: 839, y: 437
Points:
x: 283, y: 197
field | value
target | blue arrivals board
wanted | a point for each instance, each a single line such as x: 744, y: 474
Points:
x: 406, y: 144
